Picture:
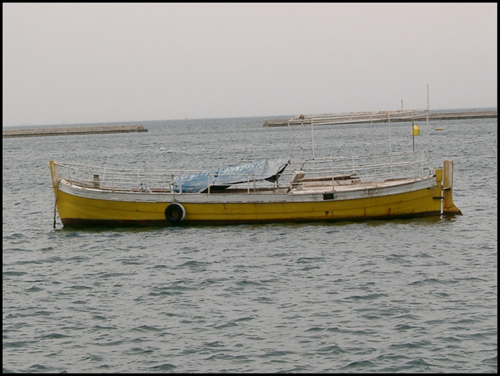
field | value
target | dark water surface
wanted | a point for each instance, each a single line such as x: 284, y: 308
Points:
x: 376, y: 296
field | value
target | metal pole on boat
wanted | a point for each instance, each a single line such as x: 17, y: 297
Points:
x: 55, y: 203
x: 55, y: 207
x: 289, y: 141
x: 300, y: 139
x: 371, y: 124
x: 312, y: 136
x: 413, y: 134
x: 390, y: 141
x: 427, y: 121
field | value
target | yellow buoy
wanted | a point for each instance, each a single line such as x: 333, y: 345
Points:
x: 415, y: 130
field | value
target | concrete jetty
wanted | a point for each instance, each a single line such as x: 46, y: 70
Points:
x: 73, y: 130
x: 354, y: 117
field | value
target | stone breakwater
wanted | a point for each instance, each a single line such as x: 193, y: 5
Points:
x: 73, y: 131
x: 355, y: 118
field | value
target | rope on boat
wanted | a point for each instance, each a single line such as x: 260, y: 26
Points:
x: 55, y: 203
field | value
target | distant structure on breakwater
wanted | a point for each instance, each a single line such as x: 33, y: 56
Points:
x: 73, y: 131
x: 367, y: 117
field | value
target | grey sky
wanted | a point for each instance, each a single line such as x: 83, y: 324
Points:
x: 103, y: 62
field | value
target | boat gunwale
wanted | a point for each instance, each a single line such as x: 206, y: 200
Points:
x: 278, y: 195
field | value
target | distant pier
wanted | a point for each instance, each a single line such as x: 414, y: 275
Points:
x: 73, y: 131
x: 357, y: 117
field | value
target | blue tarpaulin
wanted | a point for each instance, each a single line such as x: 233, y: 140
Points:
x: 224, y: 177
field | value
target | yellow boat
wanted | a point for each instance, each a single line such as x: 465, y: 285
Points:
x: 396, y: 185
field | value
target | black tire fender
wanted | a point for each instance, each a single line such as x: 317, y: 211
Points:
x: 175, y: 212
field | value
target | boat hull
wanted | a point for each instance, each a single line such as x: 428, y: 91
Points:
x: 82, y: 208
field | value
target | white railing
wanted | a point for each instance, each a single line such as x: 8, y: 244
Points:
x: 366, y: 168
x: 142, y: 180
x: 369, y: 167
x: 116, y: 178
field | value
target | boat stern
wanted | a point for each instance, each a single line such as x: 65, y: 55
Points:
x: 447, y: 189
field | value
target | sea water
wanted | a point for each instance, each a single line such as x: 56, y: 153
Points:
x: 416, y: 295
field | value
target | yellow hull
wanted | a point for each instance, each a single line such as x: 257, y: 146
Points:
x: 76, y: 211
